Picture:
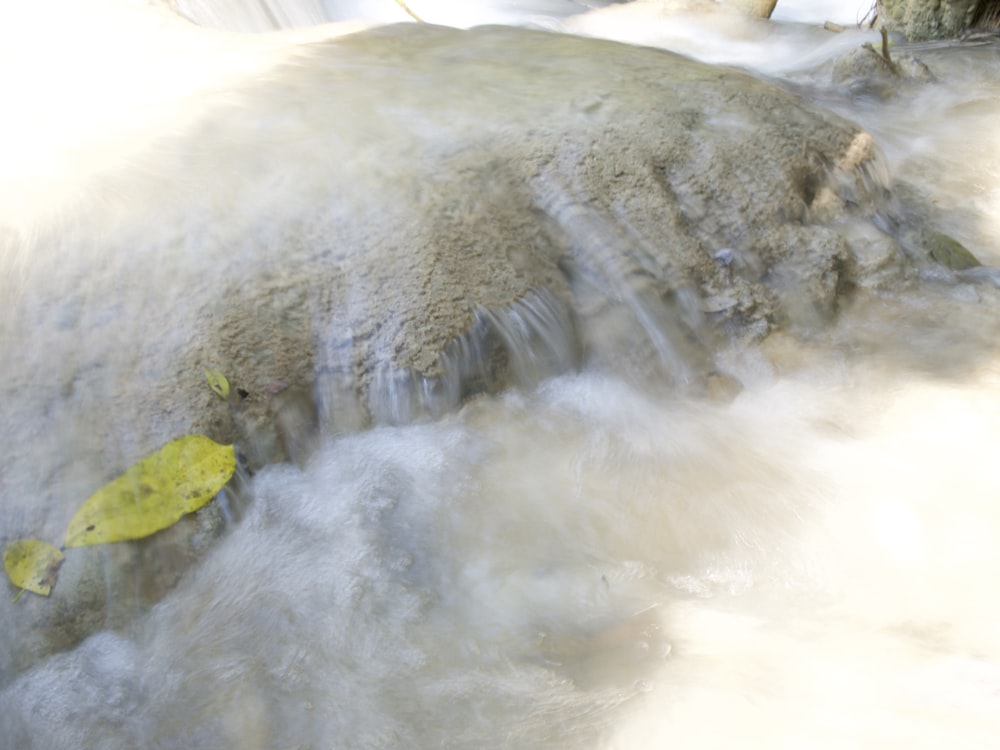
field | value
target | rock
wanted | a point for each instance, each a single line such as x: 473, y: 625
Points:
x: 988, y: 16
x: 866, y: 71
x: 875, y: 256
x: 387, y: 224
x: 928, y: 19
x: 759, y: 8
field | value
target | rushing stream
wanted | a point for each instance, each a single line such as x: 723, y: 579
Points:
x: 811, y: 562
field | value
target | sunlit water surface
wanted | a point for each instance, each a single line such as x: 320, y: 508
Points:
x: 589, y: 566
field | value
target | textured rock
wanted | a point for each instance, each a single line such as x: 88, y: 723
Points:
x: 928, y: 19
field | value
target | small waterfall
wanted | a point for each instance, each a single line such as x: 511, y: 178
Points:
x: 520, y: 345
x: 618, y: 296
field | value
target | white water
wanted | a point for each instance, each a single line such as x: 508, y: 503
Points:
x: 588, y: 566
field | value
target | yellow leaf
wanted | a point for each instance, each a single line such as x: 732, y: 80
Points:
x: 32, y: 564
x: 153, y: 494
x: 218, y: 383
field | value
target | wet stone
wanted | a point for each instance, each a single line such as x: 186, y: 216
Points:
x: 561, y: 203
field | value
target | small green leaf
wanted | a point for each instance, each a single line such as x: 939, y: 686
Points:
x: 154, y: 493
x: 218, y: 383
x: 32, y: 565
x: 949, y: 252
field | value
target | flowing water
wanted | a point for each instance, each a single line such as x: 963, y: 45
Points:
x: 583, y: 564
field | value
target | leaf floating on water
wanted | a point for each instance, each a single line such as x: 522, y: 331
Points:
x: 32, y: 565
x: 949, y: 252
x: 218, y: 383
x: 153, y: 494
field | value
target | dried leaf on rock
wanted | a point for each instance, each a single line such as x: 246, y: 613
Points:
x: 153, y: 494
x: 218, y: 383
x: 32, y: 564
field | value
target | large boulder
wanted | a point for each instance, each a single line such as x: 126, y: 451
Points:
x: 389, y: 223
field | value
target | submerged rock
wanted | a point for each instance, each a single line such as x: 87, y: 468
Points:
x: 868, y: 71
x: 401, y: 218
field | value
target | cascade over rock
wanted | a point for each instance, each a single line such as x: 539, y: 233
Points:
x: 405, y: 216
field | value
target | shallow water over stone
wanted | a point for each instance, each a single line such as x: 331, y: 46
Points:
x: 667, y: 527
